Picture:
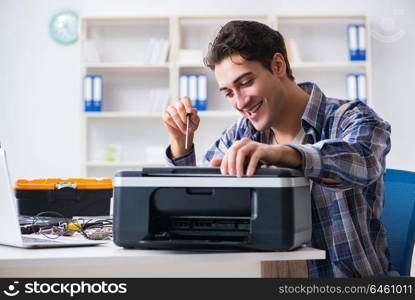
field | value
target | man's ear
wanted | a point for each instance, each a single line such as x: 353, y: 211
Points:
x: 278, y: 65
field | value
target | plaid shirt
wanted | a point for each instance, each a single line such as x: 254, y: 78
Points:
x: 345, y: 141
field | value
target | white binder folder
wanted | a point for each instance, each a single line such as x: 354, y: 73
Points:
x: 184, y: 86
x: 352, y: 41
x: 87, y: 91
x: 361, y: 88
x: 351, y: 86
x: 361, y: 45
x: 97, y: 91
x: 193, y: 89
x: 202, y: 92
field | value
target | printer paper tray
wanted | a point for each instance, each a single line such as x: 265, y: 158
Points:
x: 175, y: 244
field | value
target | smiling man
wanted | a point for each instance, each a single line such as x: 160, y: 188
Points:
x: 339, y: 145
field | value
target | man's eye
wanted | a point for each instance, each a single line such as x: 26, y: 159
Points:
x: 229, y: 94
x: 248, y: 82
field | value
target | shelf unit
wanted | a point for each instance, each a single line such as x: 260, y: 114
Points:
x: 127, y: 121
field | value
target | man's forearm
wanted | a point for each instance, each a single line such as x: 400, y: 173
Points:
x: 290, y: 157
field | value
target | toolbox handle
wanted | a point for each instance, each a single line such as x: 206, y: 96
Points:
x: 61, y: 185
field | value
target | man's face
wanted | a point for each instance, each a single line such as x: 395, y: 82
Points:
x: 252, y: 90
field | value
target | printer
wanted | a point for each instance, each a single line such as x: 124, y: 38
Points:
x: 199, y: 208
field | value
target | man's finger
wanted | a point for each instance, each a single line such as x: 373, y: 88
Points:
x: 181, y: 110
x: 224, y: 165
x: 194, y: 120
x: 253, y: 164
x: 243, y: 155
x: 176, y: 118
x: 187, y: 102
x: 216, y: 162
x: 232, y: 153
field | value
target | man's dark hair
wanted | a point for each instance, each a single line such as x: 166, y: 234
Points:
x: 252, y: 40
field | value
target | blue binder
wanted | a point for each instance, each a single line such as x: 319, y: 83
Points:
x: 195, y: 87
x: 92, y: 93
x: 201, y: 92
x: 356, y: 87
x: 356, y: 34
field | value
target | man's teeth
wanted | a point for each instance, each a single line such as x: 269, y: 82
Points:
x: 255, y: 109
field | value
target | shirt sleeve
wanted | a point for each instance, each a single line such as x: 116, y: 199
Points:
x: 188, y: 159
x: 355, y: 157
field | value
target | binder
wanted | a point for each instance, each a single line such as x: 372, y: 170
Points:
x: 183, y: 86
x: 164, y: 53
x: 352, y: 87
x: 357, y: 42
x: 193, y: 90
x: 92, y: 93
x: 97, y: 92
x: 361, y: 45
x: 352, y: 41
x: 357, y: 87
x: 149, y: 51
x: 361, y: 88
x: 202, y: 92
x: 87, y: 92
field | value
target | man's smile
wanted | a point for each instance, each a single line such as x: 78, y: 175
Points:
x: 253, y: 111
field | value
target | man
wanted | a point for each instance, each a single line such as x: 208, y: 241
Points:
x: 339, y: 145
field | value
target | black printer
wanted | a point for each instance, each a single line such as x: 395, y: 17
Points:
x: 198, y: 208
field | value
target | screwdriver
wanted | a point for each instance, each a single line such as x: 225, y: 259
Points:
x: 187, y: 130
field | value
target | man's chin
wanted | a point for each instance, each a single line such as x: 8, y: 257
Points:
x: 259, y: 126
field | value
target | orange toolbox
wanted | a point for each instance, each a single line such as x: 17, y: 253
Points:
x: 69, y: 197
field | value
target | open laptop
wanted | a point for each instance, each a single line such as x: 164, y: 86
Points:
x: 10, y: 233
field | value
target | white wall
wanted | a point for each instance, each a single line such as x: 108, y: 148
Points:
x: 40, y: 80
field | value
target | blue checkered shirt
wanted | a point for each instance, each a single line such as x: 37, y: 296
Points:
x: 345, y: 141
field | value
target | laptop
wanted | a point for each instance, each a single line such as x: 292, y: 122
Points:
x: 10, y: 233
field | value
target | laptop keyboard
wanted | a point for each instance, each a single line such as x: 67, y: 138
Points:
x: 42, y: 220
x: 27, y: 239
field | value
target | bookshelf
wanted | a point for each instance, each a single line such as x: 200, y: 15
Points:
x: 119, y: 46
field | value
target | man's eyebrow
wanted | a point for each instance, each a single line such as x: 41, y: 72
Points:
x: 237, y: 79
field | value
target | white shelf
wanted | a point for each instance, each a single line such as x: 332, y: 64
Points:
x: 124, y: 18
x: 127, y: 65
x: 144, y: 115
x: 307, y: 65
x: 182, y: 66
x: 329, y: 65
x: 124, y: 164
x: 121, y: 115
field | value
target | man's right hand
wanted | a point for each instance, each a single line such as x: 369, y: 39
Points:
x: 174, y: 119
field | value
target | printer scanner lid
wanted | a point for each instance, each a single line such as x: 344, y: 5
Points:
x: 208, y: 177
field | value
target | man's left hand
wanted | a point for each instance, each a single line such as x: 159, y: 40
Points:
x: 248, y: 153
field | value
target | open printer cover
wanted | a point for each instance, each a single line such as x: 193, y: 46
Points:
x: 198, y: 208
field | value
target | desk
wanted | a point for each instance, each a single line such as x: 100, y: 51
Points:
x: 109, y: 260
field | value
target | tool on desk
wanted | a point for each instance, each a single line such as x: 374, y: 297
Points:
x: 187, y: 130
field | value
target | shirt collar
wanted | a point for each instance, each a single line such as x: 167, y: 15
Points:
x: 315, y: 110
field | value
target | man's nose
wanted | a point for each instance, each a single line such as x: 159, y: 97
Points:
x: 241, y: 100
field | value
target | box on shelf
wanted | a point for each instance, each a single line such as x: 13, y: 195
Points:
x: 112, y: 153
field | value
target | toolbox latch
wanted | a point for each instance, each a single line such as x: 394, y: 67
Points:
x: 61, y: 185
